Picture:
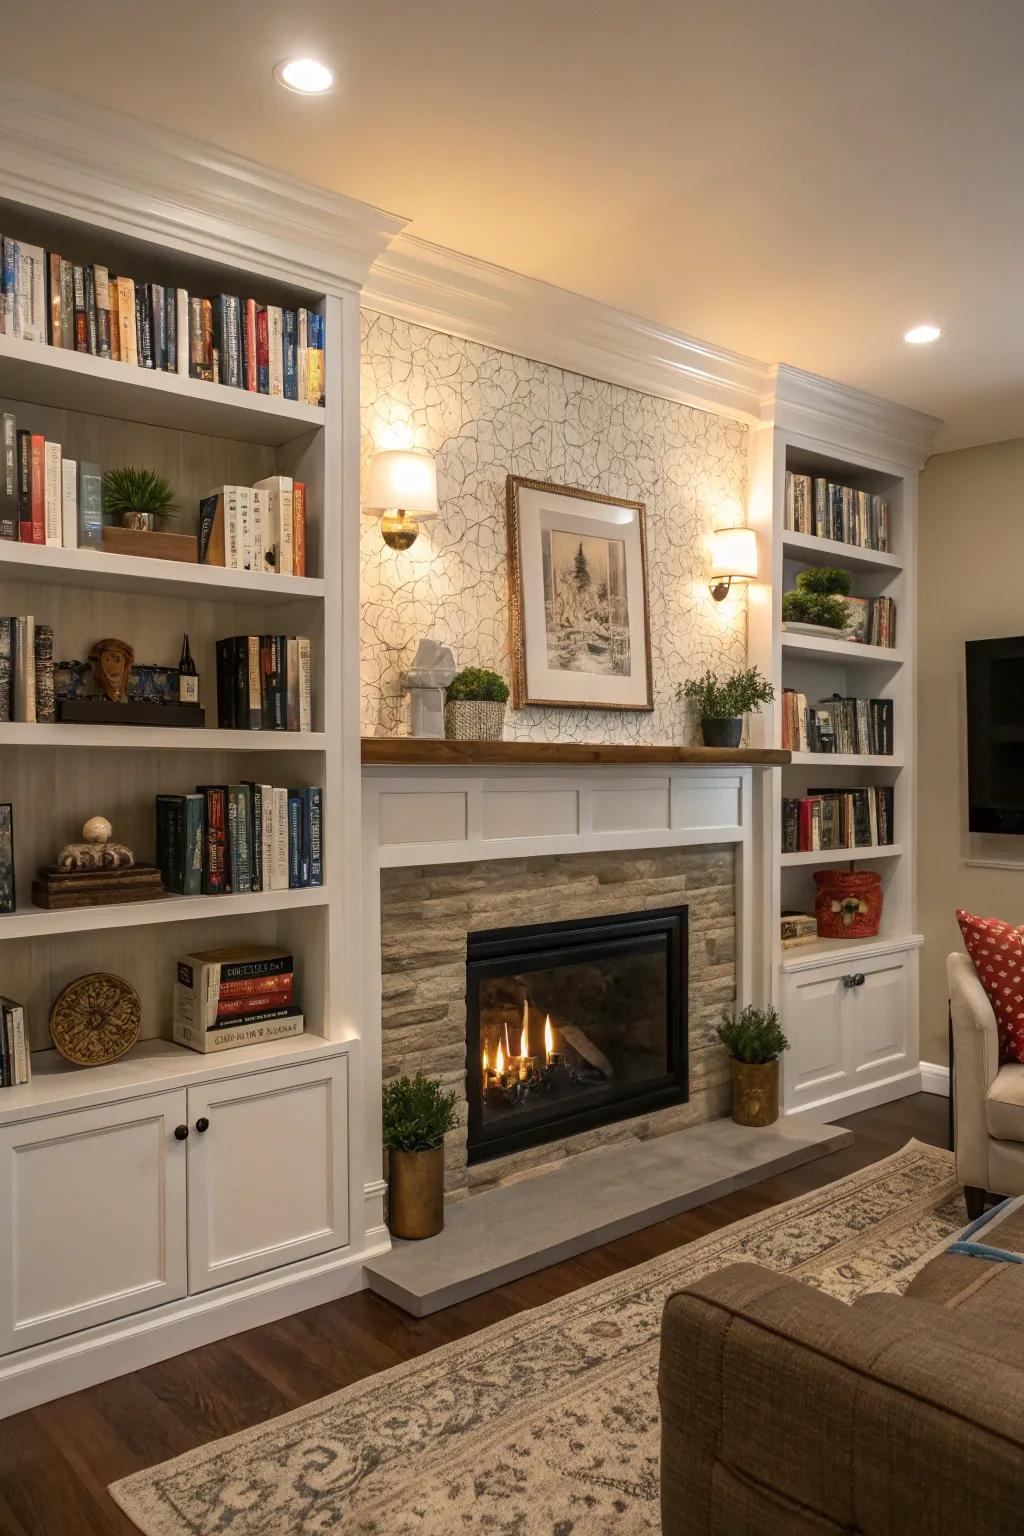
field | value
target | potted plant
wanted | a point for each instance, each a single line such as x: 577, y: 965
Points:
x: 819, y: 600
x: 722, y: 703
x: 474, y: 708
x: 755, y: 1041
x: 137, y: 498
x: 418, y: 1113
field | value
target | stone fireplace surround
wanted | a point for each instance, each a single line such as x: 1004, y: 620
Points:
x: 453, y: 843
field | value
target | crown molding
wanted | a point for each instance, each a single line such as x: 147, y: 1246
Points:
x: 463, y: 296
x: 87, y: 162
x: 847, y: 419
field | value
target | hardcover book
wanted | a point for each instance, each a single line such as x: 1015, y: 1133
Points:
x: 7, y: 888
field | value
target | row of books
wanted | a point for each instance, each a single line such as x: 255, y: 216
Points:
x: 871, y: 620
x: 239, y: 995
x: 264, y: 348
x: 26, y: 670
x: 259, y: 527
x: 831, y: 818
x: 230, y: 839
x: 838, y: 724
x: 264, y: 683
x: 839, y: 512
x: 15, y: 1051
x: 44, y: 497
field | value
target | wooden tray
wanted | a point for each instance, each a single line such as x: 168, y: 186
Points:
x: 153, y: 546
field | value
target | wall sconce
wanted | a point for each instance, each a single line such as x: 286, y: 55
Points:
x: 403, y: 487
x: 733, y: 558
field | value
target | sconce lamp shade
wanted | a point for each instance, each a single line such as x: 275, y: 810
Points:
x: 403, y: 479
x: 733, y: 553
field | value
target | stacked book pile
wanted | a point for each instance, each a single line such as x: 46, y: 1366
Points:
x: 259, y: 527
x: 836, y: 512
x: 241, y: 995
x: 871, y: 620
x: 44, y: 497
x: 26, y: 670
x: 831, y: 818
x: 796, y: 928
x: 264, y: 683
x: 15, y: 1054
x: 264, y: 348
x: 859, y: 726
x: 230, y: 839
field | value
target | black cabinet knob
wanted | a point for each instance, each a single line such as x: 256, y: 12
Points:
x: 849, y: 981
x: 858, y: 980
x: 180, y: 1132
x: 202, y: 1124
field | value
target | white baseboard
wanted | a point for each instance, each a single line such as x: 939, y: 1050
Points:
x: 934, y: 1079
x: 851, y: 1102
x: 45, y: 1371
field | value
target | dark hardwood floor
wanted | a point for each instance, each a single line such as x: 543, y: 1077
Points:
x: 56, y: 1461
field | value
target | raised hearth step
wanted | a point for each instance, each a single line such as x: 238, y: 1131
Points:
x: 496, y: 1237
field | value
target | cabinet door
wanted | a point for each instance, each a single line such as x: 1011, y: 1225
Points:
x: 92, y: 1217
x: 268, y: 1176
x: 878, y: 1019
x: 817, y: 1064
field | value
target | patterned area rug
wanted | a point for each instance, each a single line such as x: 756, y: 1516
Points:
x: 545, y: 1424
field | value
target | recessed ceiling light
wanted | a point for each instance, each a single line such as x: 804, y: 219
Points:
x: 920, y: 335
x: 306, y: 75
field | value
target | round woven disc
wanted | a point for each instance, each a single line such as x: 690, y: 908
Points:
x: 96, y: 1019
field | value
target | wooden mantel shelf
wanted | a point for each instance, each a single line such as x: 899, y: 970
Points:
x: 421, y: 752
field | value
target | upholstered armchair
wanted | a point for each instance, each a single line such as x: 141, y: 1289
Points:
x: 988, y: 1099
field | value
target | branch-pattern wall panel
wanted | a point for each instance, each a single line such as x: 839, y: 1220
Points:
x: 485, y: 414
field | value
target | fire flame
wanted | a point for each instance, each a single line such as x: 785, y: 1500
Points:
x: 499, y: 1061
x: 487, y: 1061
x: 508, y: 1048
x: 524, y: 1043
x: 549, y: 1038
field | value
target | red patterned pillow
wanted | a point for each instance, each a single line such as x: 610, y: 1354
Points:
x: 997, y: 950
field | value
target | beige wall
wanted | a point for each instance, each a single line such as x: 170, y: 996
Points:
x: 970, y: 575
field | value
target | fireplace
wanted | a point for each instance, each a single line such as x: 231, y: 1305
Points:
x: 572, y: 1025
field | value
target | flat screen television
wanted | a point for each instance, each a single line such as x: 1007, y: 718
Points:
x: 995, y: 735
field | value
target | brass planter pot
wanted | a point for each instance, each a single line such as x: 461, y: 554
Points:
x: 755, y: 1092
x: 416, y: 1193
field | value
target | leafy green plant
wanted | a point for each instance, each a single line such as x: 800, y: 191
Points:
x: 418, y: 1113
x: 814, y: 608
x: 725, y: 698
x: 130, y: 489
x: 828, y: 580
x: 755, y: 1035
x: 477, y: 683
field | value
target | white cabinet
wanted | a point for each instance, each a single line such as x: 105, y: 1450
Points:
x: 94, y: 1205
x: 267, y: 1170
x: 128, y: 1205
x: 850, y: 1027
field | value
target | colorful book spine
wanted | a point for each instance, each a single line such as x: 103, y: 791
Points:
x: 53, y: 494
x: 38, y: 489
x: 215, y: 838
x: 8, y: 477
x: 313, y: 834
x: 6, y: 670
x: 24, y: 472
x: 90, y: 506
x: 8, y: 897
x: 69, y: 503
x: 46, y: 709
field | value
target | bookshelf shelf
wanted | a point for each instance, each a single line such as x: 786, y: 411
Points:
x: 845, y: 650
x: 34, y: 922
x: 840, y: 855
x: 810, y: 550
x: 159, y: 578
x: 846, y: 760
x: 156, y: 737
x: 75, y: 381
x: 806, y: 957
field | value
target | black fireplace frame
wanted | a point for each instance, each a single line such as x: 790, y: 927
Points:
x: 541, y: 945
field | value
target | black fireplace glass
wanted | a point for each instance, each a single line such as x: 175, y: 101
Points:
x: 570, y: 1025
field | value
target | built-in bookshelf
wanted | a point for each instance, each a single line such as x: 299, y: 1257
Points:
x: 851, y: 1046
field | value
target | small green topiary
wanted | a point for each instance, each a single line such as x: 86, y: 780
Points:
x: 814, y: 608
x: 129, y: 489
x: 418, y: 1113
x: 828, y: 580
x: 755, y: 1035
x: 726, y: 698
x: 477, y: 683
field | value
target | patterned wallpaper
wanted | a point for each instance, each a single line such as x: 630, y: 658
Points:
x: 485, y: 414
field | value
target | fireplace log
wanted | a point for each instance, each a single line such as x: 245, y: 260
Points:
x: 580, y: 1042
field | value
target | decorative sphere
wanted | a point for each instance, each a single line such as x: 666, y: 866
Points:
x: 97, y: 830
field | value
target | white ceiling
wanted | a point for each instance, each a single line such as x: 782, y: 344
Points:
x: 798, y: 180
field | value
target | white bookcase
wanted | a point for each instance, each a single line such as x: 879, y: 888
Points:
x: 71, y: 1273
x: 849, y: 1007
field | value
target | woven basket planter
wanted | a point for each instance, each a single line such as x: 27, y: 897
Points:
x: 848, y: 904
x: 474, y: 720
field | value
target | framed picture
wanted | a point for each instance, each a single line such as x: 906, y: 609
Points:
x: 581, y: 635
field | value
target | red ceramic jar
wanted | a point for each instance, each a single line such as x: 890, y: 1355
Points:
x: 848, y: 904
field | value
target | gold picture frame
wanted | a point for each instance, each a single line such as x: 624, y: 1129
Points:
x: 572, y: 631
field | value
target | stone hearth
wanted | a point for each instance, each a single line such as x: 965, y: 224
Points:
x: 427, y: 912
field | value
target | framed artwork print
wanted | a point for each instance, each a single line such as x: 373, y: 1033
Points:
x: 581, y: 635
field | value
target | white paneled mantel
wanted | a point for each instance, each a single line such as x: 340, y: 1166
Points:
x: 524, y: 803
